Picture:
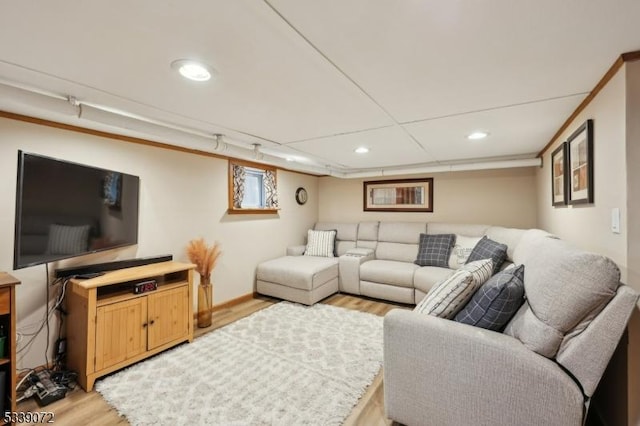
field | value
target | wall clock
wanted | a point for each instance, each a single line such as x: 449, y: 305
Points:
x: 301, y: 195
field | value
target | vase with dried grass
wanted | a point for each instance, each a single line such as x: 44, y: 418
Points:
x: 205, y: 258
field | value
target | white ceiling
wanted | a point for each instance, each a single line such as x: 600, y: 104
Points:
x: 313, y: 80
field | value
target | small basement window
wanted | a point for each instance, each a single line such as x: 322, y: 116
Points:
x: 252, y: 188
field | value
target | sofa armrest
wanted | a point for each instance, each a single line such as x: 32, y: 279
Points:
x: 349, y: 269
x: 296, y: 250
x: 453, y: 374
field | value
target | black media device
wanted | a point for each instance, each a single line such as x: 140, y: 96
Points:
x: 65, y: 209
x: 90, y: 271
x: 46, y: 390
x: 145, y: 286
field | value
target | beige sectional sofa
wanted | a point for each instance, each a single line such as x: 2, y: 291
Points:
x: 542, y: 370
x: 374, y: 259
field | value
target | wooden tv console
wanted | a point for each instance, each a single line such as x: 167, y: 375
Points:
x: 109, y: 327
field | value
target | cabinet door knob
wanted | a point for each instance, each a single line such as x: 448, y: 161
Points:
x: 152, y: 322
x: 144, y: 325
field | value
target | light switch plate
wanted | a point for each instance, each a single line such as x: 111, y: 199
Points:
x: 615, y: 220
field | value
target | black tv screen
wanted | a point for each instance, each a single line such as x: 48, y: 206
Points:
x: 65, y: 209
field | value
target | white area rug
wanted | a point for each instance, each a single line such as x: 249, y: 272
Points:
x: 287, y: 364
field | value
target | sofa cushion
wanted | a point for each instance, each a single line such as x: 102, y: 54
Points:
x: 426, y: 277
x: 302, y: 272
x: 481, y: 271
x: 566, y: 288
x: 496, y: 301
x: 367, y: 235
x: 508, y: 236
x: 344, y: 231
x: 470, y: 230
x: 368, y: 231
x: 388, y: 272
x: 461, y: 250
x: 489, y: 249
x: 434, y: 250
x: 401, y: 232
x: 448, y: 296
x: 321, y: 243
x: 398, y: 252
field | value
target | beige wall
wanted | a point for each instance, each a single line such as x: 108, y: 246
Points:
x: 182, y: 196
x: 633, y: 235
x: 616, y: 114
x: 589, y: 226
x: 496, y: 197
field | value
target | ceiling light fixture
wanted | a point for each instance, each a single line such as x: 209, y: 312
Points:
x: 477, y: 135
x: 192, y: 70
x: 362, y: 150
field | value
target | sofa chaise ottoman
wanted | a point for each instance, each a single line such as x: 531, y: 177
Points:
x: 304, y: 278
x: 301, y: 279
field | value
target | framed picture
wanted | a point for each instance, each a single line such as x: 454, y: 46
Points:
x: 400, y: 195
x: 559, y: 176
x: 580, y: 165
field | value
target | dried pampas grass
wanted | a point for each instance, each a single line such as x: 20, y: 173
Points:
x: 203, y: 256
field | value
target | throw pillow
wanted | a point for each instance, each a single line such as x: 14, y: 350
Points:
x: 448, y: 296
x: 481, y: 270
x: 489, y: 249
x: 434, y: 250
x: 493, y: 305
x: 65, y: 239
x: 461, y: 250
x: 321, y: 243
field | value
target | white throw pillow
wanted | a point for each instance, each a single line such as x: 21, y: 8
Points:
x: 448, y: 296
x: 321, y: 243
x: 481, y: 270
x: 461, y: 250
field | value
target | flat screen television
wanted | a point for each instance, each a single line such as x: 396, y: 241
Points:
x: 65, y: 209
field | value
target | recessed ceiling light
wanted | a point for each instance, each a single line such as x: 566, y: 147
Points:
x: 192, y: 70
x: 290, y: 159
x: 362, y: 150
x: 477, y: 135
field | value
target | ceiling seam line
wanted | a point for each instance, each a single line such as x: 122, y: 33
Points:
x: 352, y: 132
x: 420, y: 120
x: 343, y: 73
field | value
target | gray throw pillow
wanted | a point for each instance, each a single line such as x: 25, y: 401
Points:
x: 435, y: 249
x: 496, y: 301
x: 489, y: 249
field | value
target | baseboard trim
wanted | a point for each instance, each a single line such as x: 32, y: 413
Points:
x: 230, y: 303
x: 233, y: 302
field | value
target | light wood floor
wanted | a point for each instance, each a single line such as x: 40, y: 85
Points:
x: 89, y: 408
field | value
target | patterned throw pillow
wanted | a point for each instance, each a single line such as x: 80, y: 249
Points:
x: 461, y: 250
x: 481, y: 270
x: 321, y: 243
x: 448, y: 296
x: 489, y: 249
x: 496, y: 301
x: 65, y: 239
x: 434, y: 250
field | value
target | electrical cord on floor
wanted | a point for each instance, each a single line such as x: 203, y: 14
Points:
x: 65, y: 378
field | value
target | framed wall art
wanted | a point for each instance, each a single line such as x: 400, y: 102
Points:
x: 400, y: 195
x: 559, y: 176
x: 580, y: 165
